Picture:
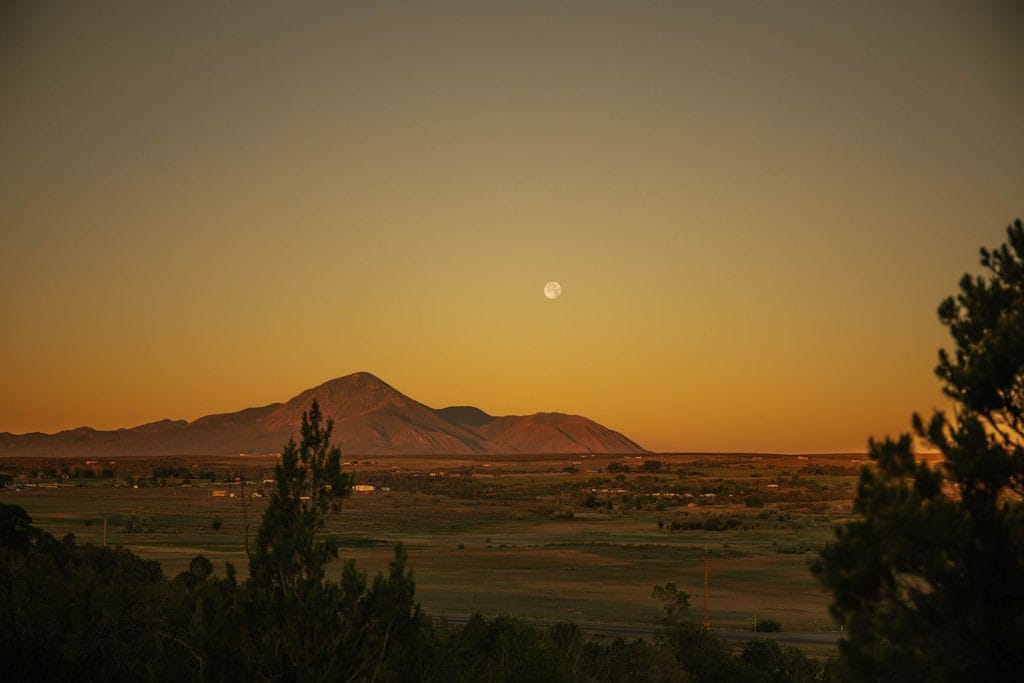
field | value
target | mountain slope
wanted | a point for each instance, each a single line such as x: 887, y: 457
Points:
x: 370, y: 418
x: 465, y: 415
x: 554, y: 433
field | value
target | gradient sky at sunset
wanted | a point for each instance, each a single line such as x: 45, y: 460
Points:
x: 753, y: 208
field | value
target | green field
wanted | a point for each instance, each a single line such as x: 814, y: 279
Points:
x: 557, y: 538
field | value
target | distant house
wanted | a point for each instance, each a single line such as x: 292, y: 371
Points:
x: 364, y: 488
x: 219, y: 493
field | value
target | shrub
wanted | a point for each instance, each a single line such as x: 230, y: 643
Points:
x: 768, y: 626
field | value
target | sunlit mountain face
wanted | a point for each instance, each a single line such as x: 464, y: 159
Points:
x: 370, y: 417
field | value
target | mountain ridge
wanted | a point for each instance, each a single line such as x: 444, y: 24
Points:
x: 370, y: 417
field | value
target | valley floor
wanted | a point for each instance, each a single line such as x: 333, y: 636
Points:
x: 547, y: 538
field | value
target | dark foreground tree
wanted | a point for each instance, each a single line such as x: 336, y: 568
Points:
x: 293, y: 609
x: 78, y: 612
x: 929, y: 581
x: 301, y: 625
x: 291, y: 550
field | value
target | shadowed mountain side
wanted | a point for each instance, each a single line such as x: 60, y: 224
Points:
x: 370, y: 418
x: 465, y: 415
x: 385, y: 431
x: 554, y: 433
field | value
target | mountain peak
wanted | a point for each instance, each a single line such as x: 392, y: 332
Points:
x: 355, y: 381
x: 343, y: 398
x: 370, y: 417
x: 360, y: 376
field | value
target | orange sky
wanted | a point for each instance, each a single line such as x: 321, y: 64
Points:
x: 753, y: 211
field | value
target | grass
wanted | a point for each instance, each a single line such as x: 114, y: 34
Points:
x: 497, y: 548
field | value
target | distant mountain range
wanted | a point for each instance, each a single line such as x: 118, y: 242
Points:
x: 370, y: 418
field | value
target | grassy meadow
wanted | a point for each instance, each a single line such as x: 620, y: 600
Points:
x: 552, y: 537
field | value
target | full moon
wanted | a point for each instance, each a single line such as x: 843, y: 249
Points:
x: 552, y: 290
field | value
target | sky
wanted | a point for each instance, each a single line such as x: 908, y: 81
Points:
x: 753, y: 209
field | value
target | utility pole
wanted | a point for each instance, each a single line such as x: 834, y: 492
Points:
x: 245, y: 512
x: 707, y: 582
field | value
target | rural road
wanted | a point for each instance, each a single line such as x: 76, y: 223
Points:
x: 648, y: 630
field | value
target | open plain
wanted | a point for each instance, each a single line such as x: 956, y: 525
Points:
x: 555, y: 538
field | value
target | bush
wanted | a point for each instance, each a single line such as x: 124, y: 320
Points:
x: 768, y: 626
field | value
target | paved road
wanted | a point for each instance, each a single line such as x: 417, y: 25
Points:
x: 648, y: 631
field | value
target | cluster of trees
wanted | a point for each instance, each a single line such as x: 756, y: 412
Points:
x: 87, y: 612
x: 640, y: 490
x: 647, y: 466
x: 929, y: 581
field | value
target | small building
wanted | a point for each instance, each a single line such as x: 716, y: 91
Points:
x: 219, y: 493
x: 364, y: 488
